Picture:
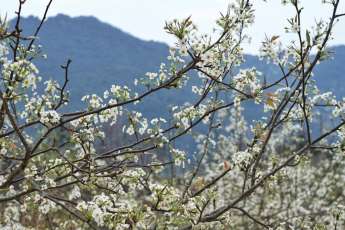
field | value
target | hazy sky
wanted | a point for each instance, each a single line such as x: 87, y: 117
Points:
x: 145, y: 18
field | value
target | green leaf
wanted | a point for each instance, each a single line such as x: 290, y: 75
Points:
x: 308, y: 38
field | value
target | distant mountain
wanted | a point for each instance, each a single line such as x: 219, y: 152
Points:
x: 103, y: 55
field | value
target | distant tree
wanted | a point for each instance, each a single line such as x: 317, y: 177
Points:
x: 55, y: 174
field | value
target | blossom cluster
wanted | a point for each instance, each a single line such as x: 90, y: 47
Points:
x: 112, y: 166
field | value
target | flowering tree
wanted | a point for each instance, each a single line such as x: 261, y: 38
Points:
x: 274, y: 173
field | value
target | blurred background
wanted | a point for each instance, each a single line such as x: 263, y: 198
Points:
x: 145, y: 19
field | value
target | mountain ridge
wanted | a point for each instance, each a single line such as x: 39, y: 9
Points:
x: 102, y: 55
